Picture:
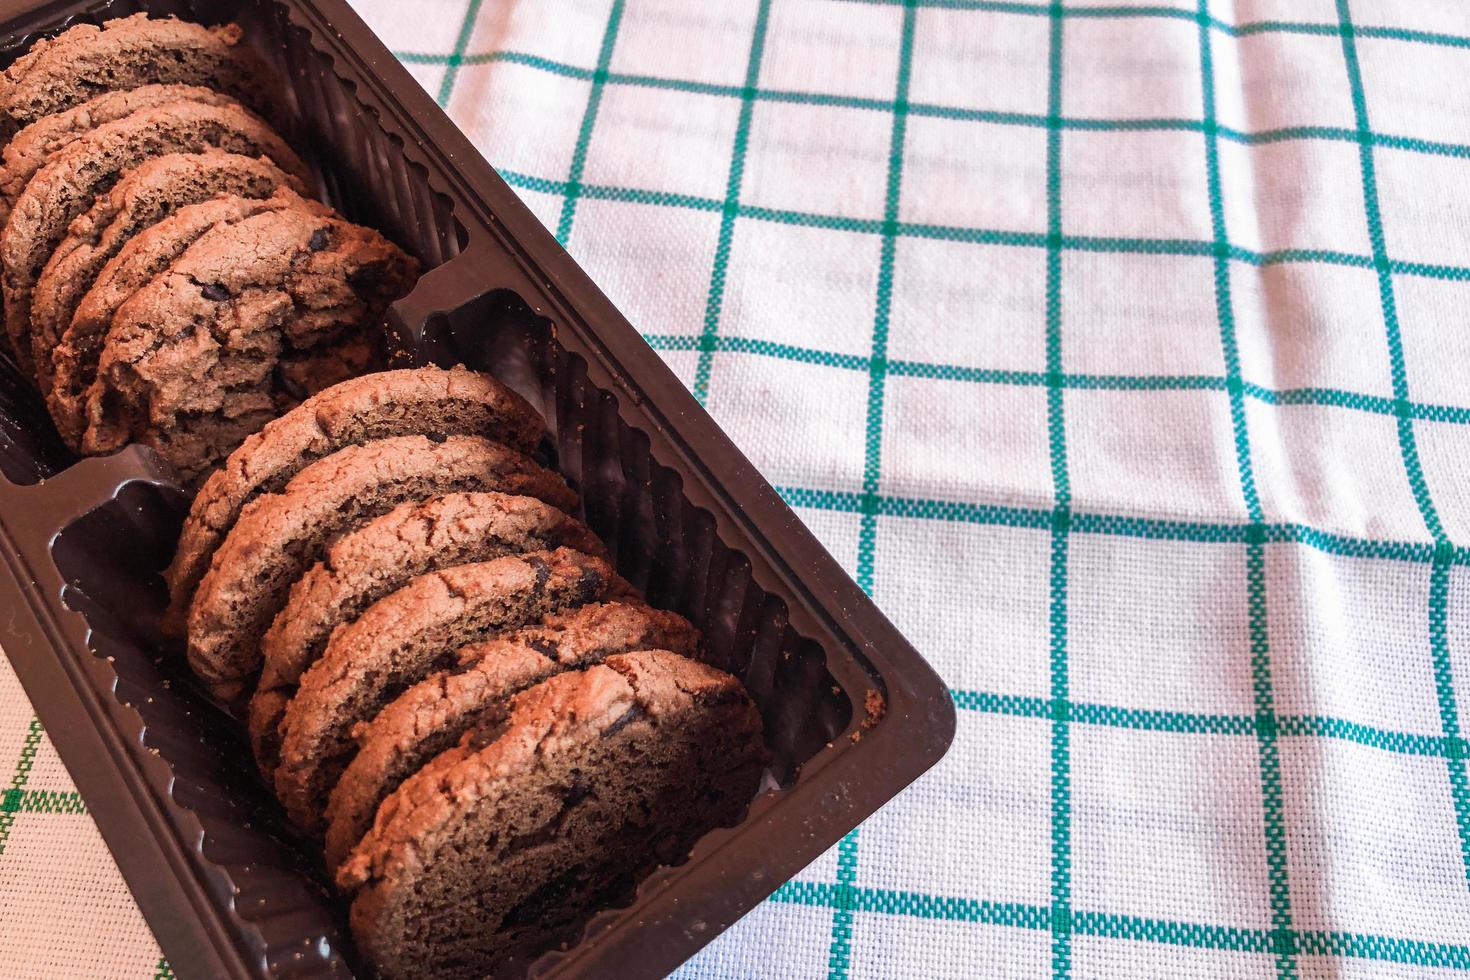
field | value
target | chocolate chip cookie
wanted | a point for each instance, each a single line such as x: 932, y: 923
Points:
x: 378, y: 558
x: 431, y: 716
x: 146, y: 255
x: 151, y: 192
x: 279, y: 536
x: 127, y: 53
x: 402, y: 638
x: 71, y: 181
x: 428, y: 400
x: 504, y: 845
x: 253, y: 317
x: 33, y: 147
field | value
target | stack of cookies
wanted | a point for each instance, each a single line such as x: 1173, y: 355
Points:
x: 445, y: 681
x: 166, y: 278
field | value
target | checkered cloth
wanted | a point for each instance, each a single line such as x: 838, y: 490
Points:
x: 1120, y: 352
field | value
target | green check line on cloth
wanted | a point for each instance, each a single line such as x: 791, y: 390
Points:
x: 1116, y: 350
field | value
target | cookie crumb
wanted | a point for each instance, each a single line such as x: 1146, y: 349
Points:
x: 875, y: 705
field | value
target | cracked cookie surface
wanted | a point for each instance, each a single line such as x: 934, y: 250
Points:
x: 146, y: 195
x: 71, y: 181
x: 85, y: 61
x: 251, y: 319
x: 402, y: 638
x: 431, y: 716
x: 278, y: 536
x: 381, y: 556
x: 507, y: 843
x: 408, y: 401
x: 34, y: 146
x: 146, y: 255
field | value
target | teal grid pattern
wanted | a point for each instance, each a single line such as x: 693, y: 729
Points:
x: 64, y: 909
x: 1114, y: 349
x: 876, y: 501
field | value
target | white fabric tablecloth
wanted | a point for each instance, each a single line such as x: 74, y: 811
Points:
x: 1121, y: 353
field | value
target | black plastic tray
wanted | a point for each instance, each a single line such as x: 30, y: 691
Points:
x: 853, y: 714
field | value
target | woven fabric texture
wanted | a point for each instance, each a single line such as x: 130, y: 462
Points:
x: 1120, y: 353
